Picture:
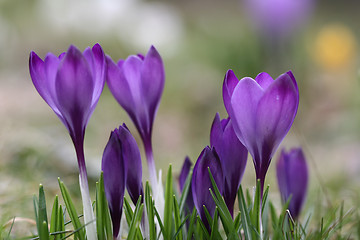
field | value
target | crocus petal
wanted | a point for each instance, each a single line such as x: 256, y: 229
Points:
x: 153, y: 79
x: 292, y: 176
x: 132, y: 68
x: 132, y: 158
x: 184, y: 172
x: 233, y: 157
x: 264, y: 80
x: 74, y: 88
x: 276, y: 112
x: 119, y: 85
x: 201, y: 182
x: 113, y: 167
x: 244, y: 101
x: 96, y: 60
x: 229, y: 85
x: 216, y: 132
x: 45, y: 86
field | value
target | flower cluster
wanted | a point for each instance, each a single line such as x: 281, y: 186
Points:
x: 260, y: 114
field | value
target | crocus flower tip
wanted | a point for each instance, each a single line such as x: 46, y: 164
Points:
x: 72, y: 48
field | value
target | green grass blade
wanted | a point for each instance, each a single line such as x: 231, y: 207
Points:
x: 128, y: 211
x: 255, y: 213
x: 168, y: 204
x: 214, y: 227
x: 149, y: 204
x: 224, y: 213
x: 44, y: 230
x: 203, y: 228
x: 177, y: 219
x: 191, y: 225
x: 159, y: 221
x: 180, y: 230
x: 103, y: 222
x: 54, y: 216
x: 103, y: 218
x: 245, y: 217
x: 99, y: 213
x: 208, y: 216
x: 78, y: 227
x: 60, y: 226
x: 237, y: 222
x: 264, y: 200
x: 136, y: 219
x: 36, y: 210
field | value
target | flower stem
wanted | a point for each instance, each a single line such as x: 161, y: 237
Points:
x: 151, y: 164
x: 89, y: 218
x: 157, y: 188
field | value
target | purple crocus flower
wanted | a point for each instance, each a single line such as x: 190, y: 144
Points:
x: 201, y: 183
x: 279, y: 17
x: 137, y: 84
x: 262, y: 111
x: 121, y: 165
x: 233, y: 157
x: 185, y: 170
x: 71, y: 85
x: 292, y: 176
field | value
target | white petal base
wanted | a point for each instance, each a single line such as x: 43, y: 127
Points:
x: 89, y: 217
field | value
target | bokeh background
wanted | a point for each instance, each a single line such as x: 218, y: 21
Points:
x: 199, y: 41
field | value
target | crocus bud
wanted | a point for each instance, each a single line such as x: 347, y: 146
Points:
x: 233, y: 157
x: 185, y: 170
x: 122, y: 167
x: 114, y: 169
x: 262, y: 111
x: 132, y: 158
x: 137, y: 84
x: 292, y: 176
x: 201, y: 182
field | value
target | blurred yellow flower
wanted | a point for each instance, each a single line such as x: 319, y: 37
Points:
x: 335, y: 47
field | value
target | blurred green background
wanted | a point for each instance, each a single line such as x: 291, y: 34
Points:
x: 199, y: 41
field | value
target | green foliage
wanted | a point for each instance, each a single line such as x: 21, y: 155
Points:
x: 79, y: 232
x: 257, y: 218
x: 149, y: 203
x: 168, y: 220
x: 103, y: 220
